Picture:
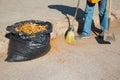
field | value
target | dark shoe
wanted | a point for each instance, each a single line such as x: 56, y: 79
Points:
x: 81, y: 36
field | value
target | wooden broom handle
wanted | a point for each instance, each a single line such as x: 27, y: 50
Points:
x: 109, y: 8
x: 109, y: 13
x: 76, y: 9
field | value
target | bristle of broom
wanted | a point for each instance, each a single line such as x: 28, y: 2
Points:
x: 70, y: 37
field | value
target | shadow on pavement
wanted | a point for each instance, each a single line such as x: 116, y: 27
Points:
x: 69, y: 10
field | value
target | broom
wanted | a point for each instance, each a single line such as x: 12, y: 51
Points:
x: 70, y: 37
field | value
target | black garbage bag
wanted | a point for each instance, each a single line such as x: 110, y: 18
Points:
x: 23, y: 47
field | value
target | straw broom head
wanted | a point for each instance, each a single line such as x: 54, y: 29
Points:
x: 70, y: 37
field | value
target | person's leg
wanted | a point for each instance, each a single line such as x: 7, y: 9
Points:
x: 88, y: 18
x: 103, y: 15
x: 88, y: 21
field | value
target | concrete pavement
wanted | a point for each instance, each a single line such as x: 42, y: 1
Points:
x: 85, y: 60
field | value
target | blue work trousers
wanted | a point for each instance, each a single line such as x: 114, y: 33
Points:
x: 103, y: 16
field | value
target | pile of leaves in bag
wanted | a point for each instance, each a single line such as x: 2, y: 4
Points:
x: 28, y: 40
